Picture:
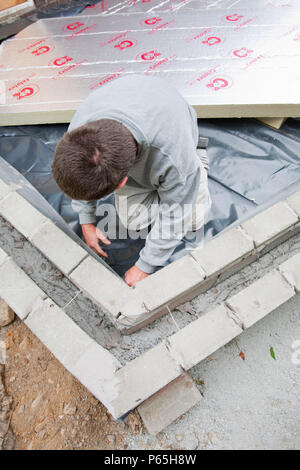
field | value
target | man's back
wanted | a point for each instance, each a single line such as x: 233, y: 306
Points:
x: 166, y: 171
x: 154, y: 112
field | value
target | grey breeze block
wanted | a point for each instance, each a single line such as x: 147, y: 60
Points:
x: 58, y: 247
x: 223, y: 250
x: 291, y: 271
x: 294, y: 202
x: 269, y: 223
x: 132, y: 306
x: 124, y: 388
x: 17, y: 289
x: 260, y: 298
x: 166, y: 405
x: 21, y: 214
x: 204, y: 336
x: 64, y: 252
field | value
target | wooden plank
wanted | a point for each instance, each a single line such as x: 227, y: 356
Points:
x: 5, y: 4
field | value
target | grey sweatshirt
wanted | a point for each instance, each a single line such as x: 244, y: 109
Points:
x: 165, y: 128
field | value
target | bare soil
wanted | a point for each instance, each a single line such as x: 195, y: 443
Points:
x: 50, y: 408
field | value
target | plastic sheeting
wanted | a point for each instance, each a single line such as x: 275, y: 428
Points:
x: 111, y: 7
x: 47, y: 11
x: 252, y: 166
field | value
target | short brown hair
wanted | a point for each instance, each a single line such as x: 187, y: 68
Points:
x: 92, y: 160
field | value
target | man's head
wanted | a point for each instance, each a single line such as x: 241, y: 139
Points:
x: 94, y: 159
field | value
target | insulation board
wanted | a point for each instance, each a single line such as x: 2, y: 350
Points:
x: 276, y: 123
x: 227, y: 58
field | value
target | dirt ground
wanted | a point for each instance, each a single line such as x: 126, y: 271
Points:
x: 50, y: 409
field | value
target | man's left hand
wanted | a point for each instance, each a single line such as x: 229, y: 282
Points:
x: 134, y: 275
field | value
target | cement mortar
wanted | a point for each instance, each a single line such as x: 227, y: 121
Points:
x: 248, y: 404
x: 150, y: 336
x: 62, y: 291
x: 93, y: 320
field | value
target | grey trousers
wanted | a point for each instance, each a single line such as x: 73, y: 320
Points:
x: 134, y: 206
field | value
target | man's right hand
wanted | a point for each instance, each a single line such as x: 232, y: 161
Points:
x: 92, y: 235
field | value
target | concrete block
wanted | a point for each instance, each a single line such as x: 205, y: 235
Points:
x: 7, y: 315
x: 294, y: 202
x: 238, y: 266
x: 21, y: 214
x: 223, y: 251
x: 105, y: 287
x: 58, y: 247
x: 260, y: 298
x: 203, y: 337
x: 149, y: 316
x: 17, y: 289
x: 67, y: 341
x: 96, y: 369
x: 291, y: 271
x: 276, y: 241
x: 3, y: 256
x: 91, y: 364
x: 4, y: 189
x: 168, y: 404
x: 269, y: 223
x: 170, y: 282
x: 142, y: 377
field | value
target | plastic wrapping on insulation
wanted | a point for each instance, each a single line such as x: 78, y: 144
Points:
x: 220, y: 55
x: 251, y: 165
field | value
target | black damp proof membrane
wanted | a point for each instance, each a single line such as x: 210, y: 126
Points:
x: 252, y: 166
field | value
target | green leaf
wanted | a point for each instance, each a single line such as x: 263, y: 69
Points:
x: 272, y: 353
x: 199, y: 382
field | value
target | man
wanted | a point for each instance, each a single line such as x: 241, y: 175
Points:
x: 137, y: 137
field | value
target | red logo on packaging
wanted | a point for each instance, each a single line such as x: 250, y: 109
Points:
x: 125, y: 44
x: 34, y: 45
x: 203, y: 75
x: 114, y: 39
x: 60, y: 61
x: 219, y: 83
x: 151, y: 21
x: 106, y: 79
x: 72, y: 26
x: 149, y: 56
x: 234, y: 17
x: 43, y: 50
x: 21, y: 83
x: 242, y: 53
x: 212, y: 40
x: 27, y: 91
x: 157, y: 22
x: 160, y: 62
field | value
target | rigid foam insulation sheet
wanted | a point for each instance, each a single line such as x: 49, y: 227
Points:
x: 228, y: 58
x: 273, y: 122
